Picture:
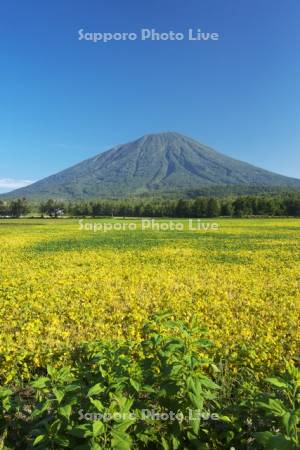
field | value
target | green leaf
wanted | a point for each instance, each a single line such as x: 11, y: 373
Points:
x: 55, y: 426
x: 289, y: 420
x: 81, y: 431
x: 95, y: 446
x: 215, y: 368
x: 64, y: 374
x: 275, y: 406
x: 38, y: 439
x: 51, y: 371
x: 95, y: 390
x: 277, y: 382
x: 263, y: 437
x: 120, y: 441
x: 230, y: 435
x: 204, y: 343
x: 194, y: 385
x: 59, y: 394
x: 5, y: 392
x: 196, y: 400
x: 194, y: 421
x: 40, y: 383
x: 65, y: 411
x: 62, y: 441
x: 99, y: 405
x: 208, y: 383
x: 175, y: 442
x: 135, y: 384
x: 279, y: 442
x: 165, y: 444
x: 40, y: 410
x: 123, y: 402
x: 225, y: 419
x: 98, y: 428
x: 286, y: 421
x: 72, y: 387
x: 122, y: 426
x: 273, y: 441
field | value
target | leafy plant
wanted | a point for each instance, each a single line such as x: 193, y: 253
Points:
x: 152, y: 394
x: 162, y: 392
x: 283, y: 411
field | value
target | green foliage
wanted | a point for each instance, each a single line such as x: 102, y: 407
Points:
x: 285, y: 204
x: 135, y: 386
x: 15, y: 208
x: 256, y: 205
x: 160, y: 393
x: 282, y: 410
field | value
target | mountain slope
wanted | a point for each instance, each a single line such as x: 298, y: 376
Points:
x: 161, y: 162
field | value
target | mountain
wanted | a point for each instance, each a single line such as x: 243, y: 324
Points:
x: 155, y: 163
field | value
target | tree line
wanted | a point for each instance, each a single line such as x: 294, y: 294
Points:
x: 238, y: 206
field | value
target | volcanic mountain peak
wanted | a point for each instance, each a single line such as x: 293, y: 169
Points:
x: 153, y: 164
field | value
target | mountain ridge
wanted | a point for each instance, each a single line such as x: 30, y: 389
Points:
x: 154, y: 163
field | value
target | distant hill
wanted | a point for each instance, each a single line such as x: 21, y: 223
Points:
x: 153, y: 164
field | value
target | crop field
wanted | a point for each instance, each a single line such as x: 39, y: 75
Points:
x: 63, y: 283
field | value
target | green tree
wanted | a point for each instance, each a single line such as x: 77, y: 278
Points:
x: 19, y: 207
x: 213, y: 207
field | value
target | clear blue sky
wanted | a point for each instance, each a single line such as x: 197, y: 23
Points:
x: 63, y: 100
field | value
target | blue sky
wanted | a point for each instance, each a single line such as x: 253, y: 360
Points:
x: 63, y: 100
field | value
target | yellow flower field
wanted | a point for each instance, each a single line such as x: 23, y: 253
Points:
x: 61, y: 285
